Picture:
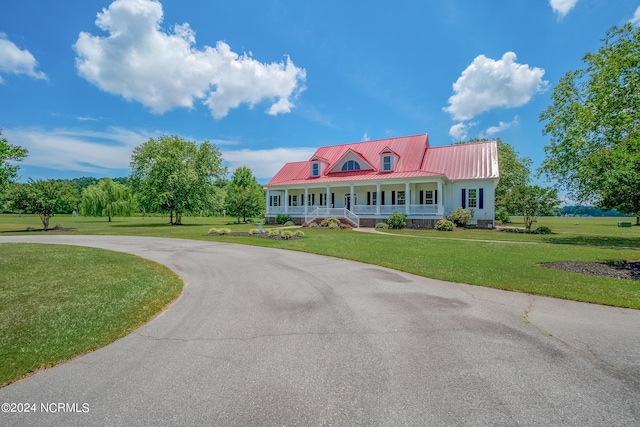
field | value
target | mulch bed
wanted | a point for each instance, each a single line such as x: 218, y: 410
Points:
x: 257, y: 235
x: 629, y: 270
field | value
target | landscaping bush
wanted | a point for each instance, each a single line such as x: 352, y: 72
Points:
x: 445, y: 225
x: 313, y: 225
x: 298, y: 233
x: 272, y: 232
x: 212, y: 231
x: 382, y: 226
x: 542, y: 230
x: 254, y: 231
x: 224, y: 231
x: 289, y: 223
x: 461, y: 217
x: 502, y: 215
x: 286, y: 234
x: 397, y: 220
x: 282, y: 218
x: 331, y: 222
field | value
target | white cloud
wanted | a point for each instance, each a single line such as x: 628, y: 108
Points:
x: 489, y: 132
x: 562, y: 7
x: 162, y: 69
x: 79, y: 151
x: 265, y: 163
x: 636, y: 18
x: 459, y: 131
x: 366, y: 137
x: 487, y: 83
x: 14, y: 60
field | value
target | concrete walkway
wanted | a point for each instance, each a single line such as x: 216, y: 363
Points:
x: 270, y: 337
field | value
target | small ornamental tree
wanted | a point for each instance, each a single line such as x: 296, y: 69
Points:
x: 245, y: 197
x: 45, y: 198
x: 532, y: 201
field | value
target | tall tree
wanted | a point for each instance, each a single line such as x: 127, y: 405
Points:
x: 174, y: 175
x: 514, y: 170
x: 245, y: 197
x: 108, y: 198
x: 44, y: 198
x: 9, y: 153
x: 594, y: 123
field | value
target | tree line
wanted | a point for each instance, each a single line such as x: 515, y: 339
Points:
x: 169, y: 175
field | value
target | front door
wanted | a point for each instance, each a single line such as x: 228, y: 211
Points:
x: 347, y: 201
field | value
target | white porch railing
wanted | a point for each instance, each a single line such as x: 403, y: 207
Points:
x: 324, y: 212
x: 370, y: 210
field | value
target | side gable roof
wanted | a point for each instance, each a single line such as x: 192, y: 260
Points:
x: 415, y: 158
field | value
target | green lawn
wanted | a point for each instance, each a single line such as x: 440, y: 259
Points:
x: 57, y: 302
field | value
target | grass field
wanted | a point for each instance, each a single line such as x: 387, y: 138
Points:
x: 57, y: 302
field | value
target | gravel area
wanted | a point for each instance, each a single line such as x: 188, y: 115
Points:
x: 629, y: 270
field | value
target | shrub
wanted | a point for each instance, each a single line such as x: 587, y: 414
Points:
x: 313, y: 225
x: 542, y: 230
x: 272, y: 232
x: 287, y: 234
x: 382, y: 226
x: 331, y: 222
x: 444, y: 225
x: 282, y: 218
x: 397, y: 220
x: 224, y: 231
x: 461, y: 217
x: 253, y: 231
x: 289, y: 223
x: 334, y: 226
x: 213, y: 231
x: 502, y: 215
x: 298, y: 233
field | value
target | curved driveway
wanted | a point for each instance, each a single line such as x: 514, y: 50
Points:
x: 268, y: 337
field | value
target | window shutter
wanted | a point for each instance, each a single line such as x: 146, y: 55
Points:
x: 313, y: 198
x: 333, y: 199
x: 289, y: 199
x: 435, y: 197
x: 481, y: 201
x: 421, y: 197
x: 368, y: 198
x: 393, y: 197
x: 381, y: 202
x: 464, y: 198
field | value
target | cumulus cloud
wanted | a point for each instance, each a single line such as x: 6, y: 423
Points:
x: 141, y: 61
x: 265, y: 163
x: 636, y: 18
x: 14, y: 60
x: 562, y: 7
x: 493, y: 130
x: 489, y: 83
x: 459, y: 131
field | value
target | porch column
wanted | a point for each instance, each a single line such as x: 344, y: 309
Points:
x: 407, y: 197
x: 351, y: 208
x: 286, y: 201
x: 268, y: 200
x: 327, y: 198
x: 306, y: 200
x: 440, y: 198
x: 378, y: 201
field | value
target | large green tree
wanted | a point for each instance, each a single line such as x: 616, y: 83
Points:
x: 9, y: 154
x: 173, y: 175
x: 108, y: 198
x: 514, y: 169
x: 594, y: 123
x: 245, y: 197
x: 44, y: 198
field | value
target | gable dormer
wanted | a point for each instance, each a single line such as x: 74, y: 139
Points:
x: 388, y: 160
x: 317, y: 166
x: 351, y: 161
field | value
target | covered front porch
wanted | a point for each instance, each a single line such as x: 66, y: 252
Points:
x: 358, y: 200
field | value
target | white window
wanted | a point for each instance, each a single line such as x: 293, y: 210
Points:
x: 294, y: 200
x: 386, y: 163
x: 472, y: 199
x: 315, y: 169
x: 374, y: 198
x: 400, y: 200
x: 274, y: 201
x: 428, y: 197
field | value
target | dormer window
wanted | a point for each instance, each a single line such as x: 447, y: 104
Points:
x: 386, y: 163
x: 350, y: 165
x: 315, y: 169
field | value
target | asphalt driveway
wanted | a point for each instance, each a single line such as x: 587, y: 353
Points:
x: 266, y: 337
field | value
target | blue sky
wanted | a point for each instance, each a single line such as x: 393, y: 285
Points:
x: 82, y: 82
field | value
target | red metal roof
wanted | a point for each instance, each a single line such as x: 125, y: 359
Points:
x: 415, y: 158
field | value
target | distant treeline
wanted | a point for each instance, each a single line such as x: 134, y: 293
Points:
x: 587, y: 211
